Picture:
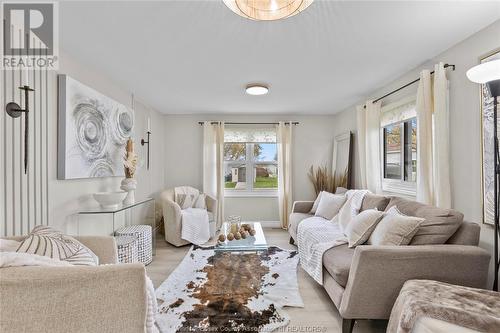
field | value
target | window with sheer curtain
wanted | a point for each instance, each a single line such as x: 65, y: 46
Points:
x: 399, y: 147
x: 250, y: 160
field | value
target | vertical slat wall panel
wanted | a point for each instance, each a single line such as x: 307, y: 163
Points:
x: 24, y: 197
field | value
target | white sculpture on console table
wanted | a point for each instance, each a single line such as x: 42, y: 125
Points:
x: 129, y: 184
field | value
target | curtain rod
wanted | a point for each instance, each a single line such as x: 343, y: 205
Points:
x: 232, y: 123
x: 407, y: 85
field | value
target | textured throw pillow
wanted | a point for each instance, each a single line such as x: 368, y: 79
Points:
x: 48, y: 242
x: 316, y: 203
x: 200, y: 201
x: 395, y: 229
x: 361, y: 226
x: 329, y: 205
x: 374, y: 201
x: 185, y: 201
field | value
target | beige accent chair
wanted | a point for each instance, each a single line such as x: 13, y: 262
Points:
x: 107, y: 299
x: 172, y: 216
x: 364, y: 282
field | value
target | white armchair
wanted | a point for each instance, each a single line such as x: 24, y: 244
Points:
x: 172, y: 216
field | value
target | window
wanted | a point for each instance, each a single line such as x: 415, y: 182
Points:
x: 251, y: 166
x: 399, y: 143
x: 400, y: 151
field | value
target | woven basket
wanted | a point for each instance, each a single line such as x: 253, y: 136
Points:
x: 144, y: 236
x: 127, y: 249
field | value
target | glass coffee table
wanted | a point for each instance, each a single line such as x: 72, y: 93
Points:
x: 254, y: 243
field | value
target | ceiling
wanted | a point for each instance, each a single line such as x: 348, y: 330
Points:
x: 185, y: 57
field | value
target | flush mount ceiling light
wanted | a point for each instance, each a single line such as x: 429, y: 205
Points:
x: 267, y: 10
x: 256, y: 89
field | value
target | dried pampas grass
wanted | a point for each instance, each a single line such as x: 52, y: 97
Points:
x: 323, y: 180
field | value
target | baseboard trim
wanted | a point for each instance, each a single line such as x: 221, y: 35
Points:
x: 270, y: 224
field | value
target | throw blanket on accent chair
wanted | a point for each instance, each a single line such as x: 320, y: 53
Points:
x: 195, y: 227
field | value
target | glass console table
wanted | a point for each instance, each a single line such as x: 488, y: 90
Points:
x: 122, y: 208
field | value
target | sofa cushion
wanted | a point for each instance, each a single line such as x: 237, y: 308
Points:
x: 439, y: 225
x: 374, y: 201
x: 316, y: 203
x: 293, y: 222
x: 337, y: 261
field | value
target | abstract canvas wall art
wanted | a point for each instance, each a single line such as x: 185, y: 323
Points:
x: 487, y: 160
x: 93, y: 131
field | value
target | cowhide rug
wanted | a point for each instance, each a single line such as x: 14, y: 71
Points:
x: 229, y: 292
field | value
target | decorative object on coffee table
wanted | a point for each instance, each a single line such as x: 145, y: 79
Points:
x: 144, y: 238
x: 127, y: 249
x: 129, y: 184
x: 253, y: 239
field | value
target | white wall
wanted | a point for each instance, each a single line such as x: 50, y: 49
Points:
x: 312, y: 145
x: 465, y: 124
x: 66, y: 197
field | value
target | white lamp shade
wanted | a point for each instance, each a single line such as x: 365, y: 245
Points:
x: 486, y: 72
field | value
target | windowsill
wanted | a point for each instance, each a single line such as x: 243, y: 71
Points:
x: 250, y: 194
x: 399, y: 188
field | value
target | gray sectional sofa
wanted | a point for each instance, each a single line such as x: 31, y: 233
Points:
x: 364, y: 282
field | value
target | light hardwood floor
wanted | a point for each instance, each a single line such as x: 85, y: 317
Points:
x: 319, y: 313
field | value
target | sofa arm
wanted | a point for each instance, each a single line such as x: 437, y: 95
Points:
x: 103, y: 246
x: 109, y: 298
x: 377, y: 274
x: 302, y: 206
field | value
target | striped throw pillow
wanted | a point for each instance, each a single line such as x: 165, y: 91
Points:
x: 48, y: 242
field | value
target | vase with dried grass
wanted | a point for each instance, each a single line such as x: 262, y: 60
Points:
x: 129, y: 184
x: 323, y: 180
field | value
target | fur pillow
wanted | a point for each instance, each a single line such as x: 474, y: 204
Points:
x: 329, y: 205
x: 48, y: 242
x: 362, y: 225
x: 395, y: 229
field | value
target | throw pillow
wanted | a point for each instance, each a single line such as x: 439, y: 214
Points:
x: 345, y: 215
x: 395, y: 229
x: 341, y: 190
x: 316, y: 203
x: 374, y: 201
x: 329, y: 205
x: 200, y: 201
x: 185, y: 201
x: 8, y: 245
x: 48, y: 242
x: 361, y: 226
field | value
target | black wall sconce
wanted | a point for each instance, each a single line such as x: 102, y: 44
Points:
x: 14, y: 110
x: 143, y: 142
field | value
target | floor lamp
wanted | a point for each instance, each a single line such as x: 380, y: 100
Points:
x: 488, y: 73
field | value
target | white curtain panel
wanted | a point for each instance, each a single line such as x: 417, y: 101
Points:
x: 284, y: 139
x: 368, y: 121
x: 433, y: 157
x: 425, y: 188
x: 361, y: 125
x: 213, y: 165
x: 441, y: 139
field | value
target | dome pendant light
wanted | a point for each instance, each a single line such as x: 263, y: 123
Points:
x: 267, y: 10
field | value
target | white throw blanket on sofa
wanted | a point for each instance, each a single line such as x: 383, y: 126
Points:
x: 316, y: 235
x: 195, y: 226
